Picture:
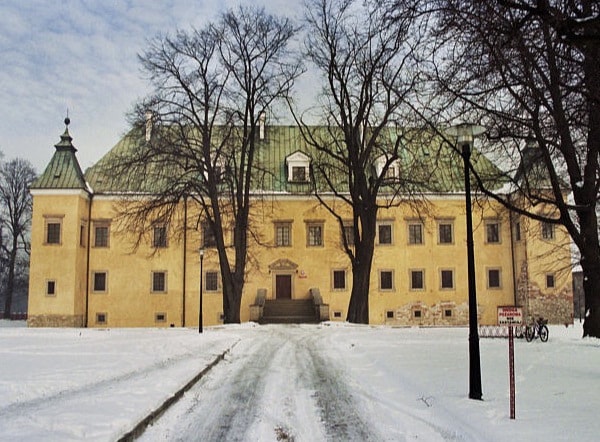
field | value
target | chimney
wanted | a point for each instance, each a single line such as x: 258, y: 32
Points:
x: 261, y: 125
x: 148, y: 116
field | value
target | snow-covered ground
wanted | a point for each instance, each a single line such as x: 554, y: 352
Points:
x: 304, y: 383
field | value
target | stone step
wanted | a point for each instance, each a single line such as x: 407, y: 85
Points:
x: 286, y: 311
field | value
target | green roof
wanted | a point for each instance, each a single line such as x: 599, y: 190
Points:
x: 434, y: 165
x: 63, y: 171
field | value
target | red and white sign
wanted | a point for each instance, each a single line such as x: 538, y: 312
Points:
x: 510, y: 315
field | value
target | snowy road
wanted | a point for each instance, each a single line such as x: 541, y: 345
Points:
x: 280, y: 382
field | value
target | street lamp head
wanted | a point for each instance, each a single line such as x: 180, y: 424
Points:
x: 201, y: 252
x: 464, y: 133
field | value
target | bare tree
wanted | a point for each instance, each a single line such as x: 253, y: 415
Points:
x: 15, y: 206
x: 529, y: 71
x: 367, y: 63
x: 211, y: 88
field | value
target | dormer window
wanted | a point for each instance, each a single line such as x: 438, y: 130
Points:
x: 297, y: 167
x: 392, y: 173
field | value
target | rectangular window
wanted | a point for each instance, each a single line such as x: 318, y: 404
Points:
x: 159, y: 282
x: 417, y: 279
x: 208, y: 236
x: 417, y: 313
x: 211, y: 281
x: 339, y: 280
x: 349, y: 234
x: 384, y: 233
x: 386, y: 280
x: 447, y: 313
x: 494, y: 281
x: 447, y: 279
x: 82, y: 235
x: 299, y: 174
x: 445, y: 233
x: 160, y: 317
x: 314, y: 235
x: 101, y: 318
x: 53, y: 232
x: 389, y: 314
x: 101, y: 235
x: 492, y: 232
x: 415, y: 233
x: 550, y: 282
x: 50, y: 287
x: 283, y: 234
x: 159, y: 239
x: 518, y: 231
x: 100, y: 281
x: 547, y: 230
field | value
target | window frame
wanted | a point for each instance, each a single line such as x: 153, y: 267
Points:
x: 412, y: 238
x: 95, y: 288
x: 153, y: 288
x: 445, y: 223
x: 54, y: 290
x: 104, y: 317
x: 283, y: 240
x: 547, y: 231
x: 392, y: 282
x: 453, y: 279
x: 344, y: 273
x: 550, y: 277
x: 489, y: 279
x: 53, y: 220
x: 310, y: 238
x: 101, y: 225
x: 411, y: 280
x: 491, y: 239
x: 208, y: 288
x: 349, y: 234
x: 160, y: 241
x: 390, y: 226
x: 209, y: 240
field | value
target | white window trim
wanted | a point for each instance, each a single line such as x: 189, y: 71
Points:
x: 393, y: 288
x: 152, y: 273
x: 298, y: 159
x: 385, y: 223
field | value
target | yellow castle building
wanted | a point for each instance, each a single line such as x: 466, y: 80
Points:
x: 87, y: 270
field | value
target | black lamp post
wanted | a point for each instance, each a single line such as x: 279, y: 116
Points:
x: 464, y: 134
x: 200, y: 307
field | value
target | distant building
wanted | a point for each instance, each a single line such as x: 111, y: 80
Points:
x: 86, y: 272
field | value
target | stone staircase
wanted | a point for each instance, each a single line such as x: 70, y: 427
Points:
x: 289, y: 311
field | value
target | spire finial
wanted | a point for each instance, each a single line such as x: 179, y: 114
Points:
x: 67, y: 119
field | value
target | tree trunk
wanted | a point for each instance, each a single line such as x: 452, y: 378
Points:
x: 358, y: 309
x: 590, y: 263
x: 10, y: 283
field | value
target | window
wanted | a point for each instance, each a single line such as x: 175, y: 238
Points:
x: 339, y: 280
x: 100, y: 282
x: 299, y: 174
x: 417, y: 279
x: 53, y: 232
x: 208, y: 236
x: 447, y: 279
x: 159, y: 282
x: 417, y: 313
x: 547, y: 230
x: 160, y: 317
x: 337, y: 314
x: 494, y: 278
x: 386, y: 280
x: 297, y: 167
x: 445, y: 233
x: 314, y: 234
x: 415, y: 233
x: 492, y: 232
x: 82, y: 235
x: 283, y: 234
x: 389, y: 314
x: 518, y: 231
x: 550, y: 282
x: 101, y: 234
x: 50, y: 287
x: 101, y: 318
x: 160, y: 236
x: 349, y: 234
x: 384, y: 233
x: 211, y: 281
x: 447, y: 313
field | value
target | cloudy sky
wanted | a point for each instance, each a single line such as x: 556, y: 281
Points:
x: 81, y: 55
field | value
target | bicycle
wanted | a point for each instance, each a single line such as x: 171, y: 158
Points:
x: 538, y: 328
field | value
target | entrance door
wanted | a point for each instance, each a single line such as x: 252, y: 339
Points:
x: 283, y: 286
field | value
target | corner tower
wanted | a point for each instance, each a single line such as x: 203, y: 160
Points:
x: 59, y: 241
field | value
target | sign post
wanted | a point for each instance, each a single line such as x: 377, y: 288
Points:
x: 510, y: 316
